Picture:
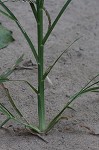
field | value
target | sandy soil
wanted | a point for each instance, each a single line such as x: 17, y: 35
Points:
x: 72, y: 71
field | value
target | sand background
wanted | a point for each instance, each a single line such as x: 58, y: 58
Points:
x: 71, y: 73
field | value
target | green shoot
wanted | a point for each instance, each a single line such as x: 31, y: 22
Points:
x: 38, y: 8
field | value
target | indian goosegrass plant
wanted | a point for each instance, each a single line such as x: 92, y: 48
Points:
x: 38, y: 9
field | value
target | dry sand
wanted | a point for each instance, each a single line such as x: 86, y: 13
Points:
x: 72, y: 71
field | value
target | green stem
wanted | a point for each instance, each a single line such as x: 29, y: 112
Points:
x: 41, y: 102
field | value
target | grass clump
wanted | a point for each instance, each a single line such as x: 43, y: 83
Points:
x: 38, y: 9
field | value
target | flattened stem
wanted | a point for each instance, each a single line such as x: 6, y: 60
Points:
x: 41, y: 102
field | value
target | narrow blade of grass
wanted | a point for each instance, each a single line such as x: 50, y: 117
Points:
x: 28, y: 40
x: 1, y: 125
x: 90, y: 89
x: 31, y: 86
x: 5, y: 111
x: 27, y: 125
x: 33, y: 10
x: 19, y: 60
x: 92, y: 85
x: 2, y: 79
x: 10, y: 116
x: 7, y: 10
x: 72, y: 98
x: 4, y: 75
x: 12, y: 101
x: 48, y: 17
x: 66, y: 50
x: 21, y: 28
x: 69, y: 107
x: 7, y: 15
x: 95, y: 91
x: 56, y: 20
x: 10, y: 70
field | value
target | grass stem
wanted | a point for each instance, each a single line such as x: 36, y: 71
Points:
x: 41, y: 102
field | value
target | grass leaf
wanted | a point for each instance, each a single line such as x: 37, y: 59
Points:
x: 48, y: 17
x: 72, y: 98
x: 11, y: 101
x: 66, y: 50
x: 4, y: 122
x: 31, y: 86
x: 2, y: 79
x: 5, y: 111
x: 33, y: 9
x: 21, y: 28
x: 91, y: 89
x: 4, y: 76
x: 56, y: 20
x: 7, y: 15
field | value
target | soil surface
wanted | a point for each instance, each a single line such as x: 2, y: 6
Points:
x: 72, y: 71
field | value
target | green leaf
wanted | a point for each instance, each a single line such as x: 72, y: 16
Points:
x: 5, y: 37
x: 31, y: 86
x: 19, y: 60
x: 10, y: 116
x: 12, y: 102
x: 33, y: 9
x: 50, y: 68
x: 5, y: 111
x: 4, y: 122
x: 69, y: 107
x: 56, y: 20
x: 95, y: 91
x: 4, y: 75
x: 3, y: 79
x: 52, y: 124
x: 72, y: 98
x: 91, y: 89
x: 48, y: 17
x: 12, y: 17
x: 7, y: 15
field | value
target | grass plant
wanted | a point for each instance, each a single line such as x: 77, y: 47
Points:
x: 38, y: 9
